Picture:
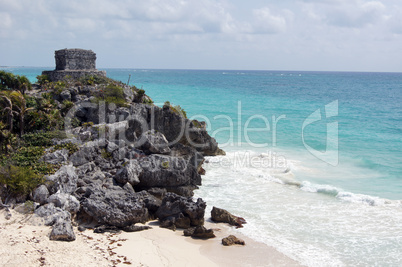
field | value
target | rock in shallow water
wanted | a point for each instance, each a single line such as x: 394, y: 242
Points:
x: 232, y: 240
x: 221, y: 215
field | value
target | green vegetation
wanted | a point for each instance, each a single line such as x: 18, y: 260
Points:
x: 176, y: 109
x: 9, y: 81
x: 29, y: 123
x: 18, y: 181
x: 105, y: 154
x: 165, y: 164
x: 112, y: 93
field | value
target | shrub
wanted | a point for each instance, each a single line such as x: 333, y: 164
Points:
x: 111, y: 94
x: 42, y: 138
x: 43, y: 79
x: 19, y: 181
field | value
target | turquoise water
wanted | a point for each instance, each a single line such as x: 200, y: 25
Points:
x: 326, y: 192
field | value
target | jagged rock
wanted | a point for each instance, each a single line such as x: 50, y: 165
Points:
x: 153, y: 142
x: 84, y: 155
x: 56, y: 157
x: 221, y: 215
x: 232, y: 240
x: 129, y: 188
x: 175, y: 207
x: 64, y: 180
x: 113, y: 206
x: 176, y: 128
x: 202, y: 232
x: 85, y: 168
x: 65, y: 201
x: 40, y: 194
x: 167, y: 171
x: 136, y: 228
x: 62, y: 231
x: 157, y: 192
x: 129, y: 173
x: 51, y: 214
x: 193, y: 157
x: 111, y: 147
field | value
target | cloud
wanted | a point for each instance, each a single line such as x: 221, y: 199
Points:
x: 266, y: 22
x: 347, y: 14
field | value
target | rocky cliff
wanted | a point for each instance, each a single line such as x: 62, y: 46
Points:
x: 132, y: 162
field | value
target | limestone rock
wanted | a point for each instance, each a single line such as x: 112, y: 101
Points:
x: 65, y: 201
x: 200, y: 232
x: 167, y: 171
x: 64, y: 180
x: 153, y: 142
x: 175, y: 208
x: 51, y: 214
x: 114, y: 206
x: 40, y: 194
x: 56, y: 157
x: 221, y: 215
x: 129, y: 173
x: 62, y: 231
x: 232, y: 240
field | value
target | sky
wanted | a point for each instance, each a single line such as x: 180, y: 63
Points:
x: 310, y: 35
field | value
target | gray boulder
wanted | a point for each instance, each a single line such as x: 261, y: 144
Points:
x: 174, y: 208
x: 113, y: 206
x: 167, y: 171
x: 65, y: 201
x: 153, y: 142
x: 51, y: 214
x: 56, y: 157
x: 129, y: 173
x: 40, y: 194
x: 63, y: 181
x: 62, y: 231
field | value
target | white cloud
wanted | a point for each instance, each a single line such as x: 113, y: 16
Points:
x: 266, y: 22
x: 205, y: 33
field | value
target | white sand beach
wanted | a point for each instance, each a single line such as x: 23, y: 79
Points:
x: 24, y: 242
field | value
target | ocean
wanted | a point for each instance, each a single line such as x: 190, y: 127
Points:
x: 313, y: 159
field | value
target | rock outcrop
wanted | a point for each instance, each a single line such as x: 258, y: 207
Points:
x: 221, y: 215
x: 232, y: 240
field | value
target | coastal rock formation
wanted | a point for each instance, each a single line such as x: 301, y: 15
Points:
x: 221, y: 215
x: 113, y: 206
x: 199, y: 232
x: 182, y: 212
x: 128, y: 162
x: 232, y: 240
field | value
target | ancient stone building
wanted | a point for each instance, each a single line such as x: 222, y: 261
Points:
x: 76, y: 63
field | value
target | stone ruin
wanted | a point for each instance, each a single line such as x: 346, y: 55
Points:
x: 76, y: 63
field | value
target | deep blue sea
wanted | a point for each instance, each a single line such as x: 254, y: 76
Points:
x: 314, y: 159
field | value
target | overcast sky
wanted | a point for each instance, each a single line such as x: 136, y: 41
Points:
x: 335, y: 35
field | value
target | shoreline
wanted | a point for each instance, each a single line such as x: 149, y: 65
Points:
x: 24, y: 239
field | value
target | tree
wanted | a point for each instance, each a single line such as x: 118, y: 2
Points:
x: 23, y: 84
x: 9, y: 81
x: 8, y: 108
x: 20, y: 105
x: 6, y: 138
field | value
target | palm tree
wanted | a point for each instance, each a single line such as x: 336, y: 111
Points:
x: 20, y: 106
x: 23, y: 84
x: 6, y: 138
x: 8, y: 107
